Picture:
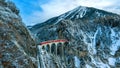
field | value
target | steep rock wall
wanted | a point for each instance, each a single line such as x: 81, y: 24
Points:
x: 17, y: 47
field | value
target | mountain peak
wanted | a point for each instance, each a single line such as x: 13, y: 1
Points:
x: 78, y: 12
x: 82, y: 11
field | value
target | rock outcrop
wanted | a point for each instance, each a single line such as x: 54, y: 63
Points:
x: 17, y: 47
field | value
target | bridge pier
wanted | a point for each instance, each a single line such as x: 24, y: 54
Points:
x: 47, y: 48
x: 56, y: 48
x: 50, y: 48
x: 62, y: 49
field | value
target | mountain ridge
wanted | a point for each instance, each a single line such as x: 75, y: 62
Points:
x: 76, y: 9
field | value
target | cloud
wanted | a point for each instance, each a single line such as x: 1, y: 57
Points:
x: 56, y: 7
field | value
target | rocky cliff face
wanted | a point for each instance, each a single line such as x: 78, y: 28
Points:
x: 17, y: 48
x: 93, y: 35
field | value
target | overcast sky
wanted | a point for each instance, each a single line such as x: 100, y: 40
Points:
x: 37, y: 11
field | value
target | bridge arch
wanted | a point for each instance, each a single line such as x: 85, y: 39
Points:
x: 53, y: 48
x: 43, y: 47
x: 47, y: 48
x: 65, y: 48
x: 59, y: 49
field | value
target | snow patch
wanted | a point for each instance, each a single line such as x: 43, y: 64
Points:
x: 112, y: 61
x: 20, y: 48
x: 99, y: 63
x: 98, y: 31
x: 77, y: 62
x: 115, y: 42
x: 83, y: 12
x: 88, y: 66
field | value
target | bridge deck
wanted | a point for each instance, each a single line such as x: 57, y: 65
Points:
x: 53, y: 41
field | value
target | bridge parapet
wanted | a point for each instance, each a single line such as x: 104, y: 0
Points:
x: 53, y: 41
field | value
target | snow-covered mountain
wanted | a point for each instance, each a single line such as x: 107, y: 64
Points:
x: 93, y: 34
